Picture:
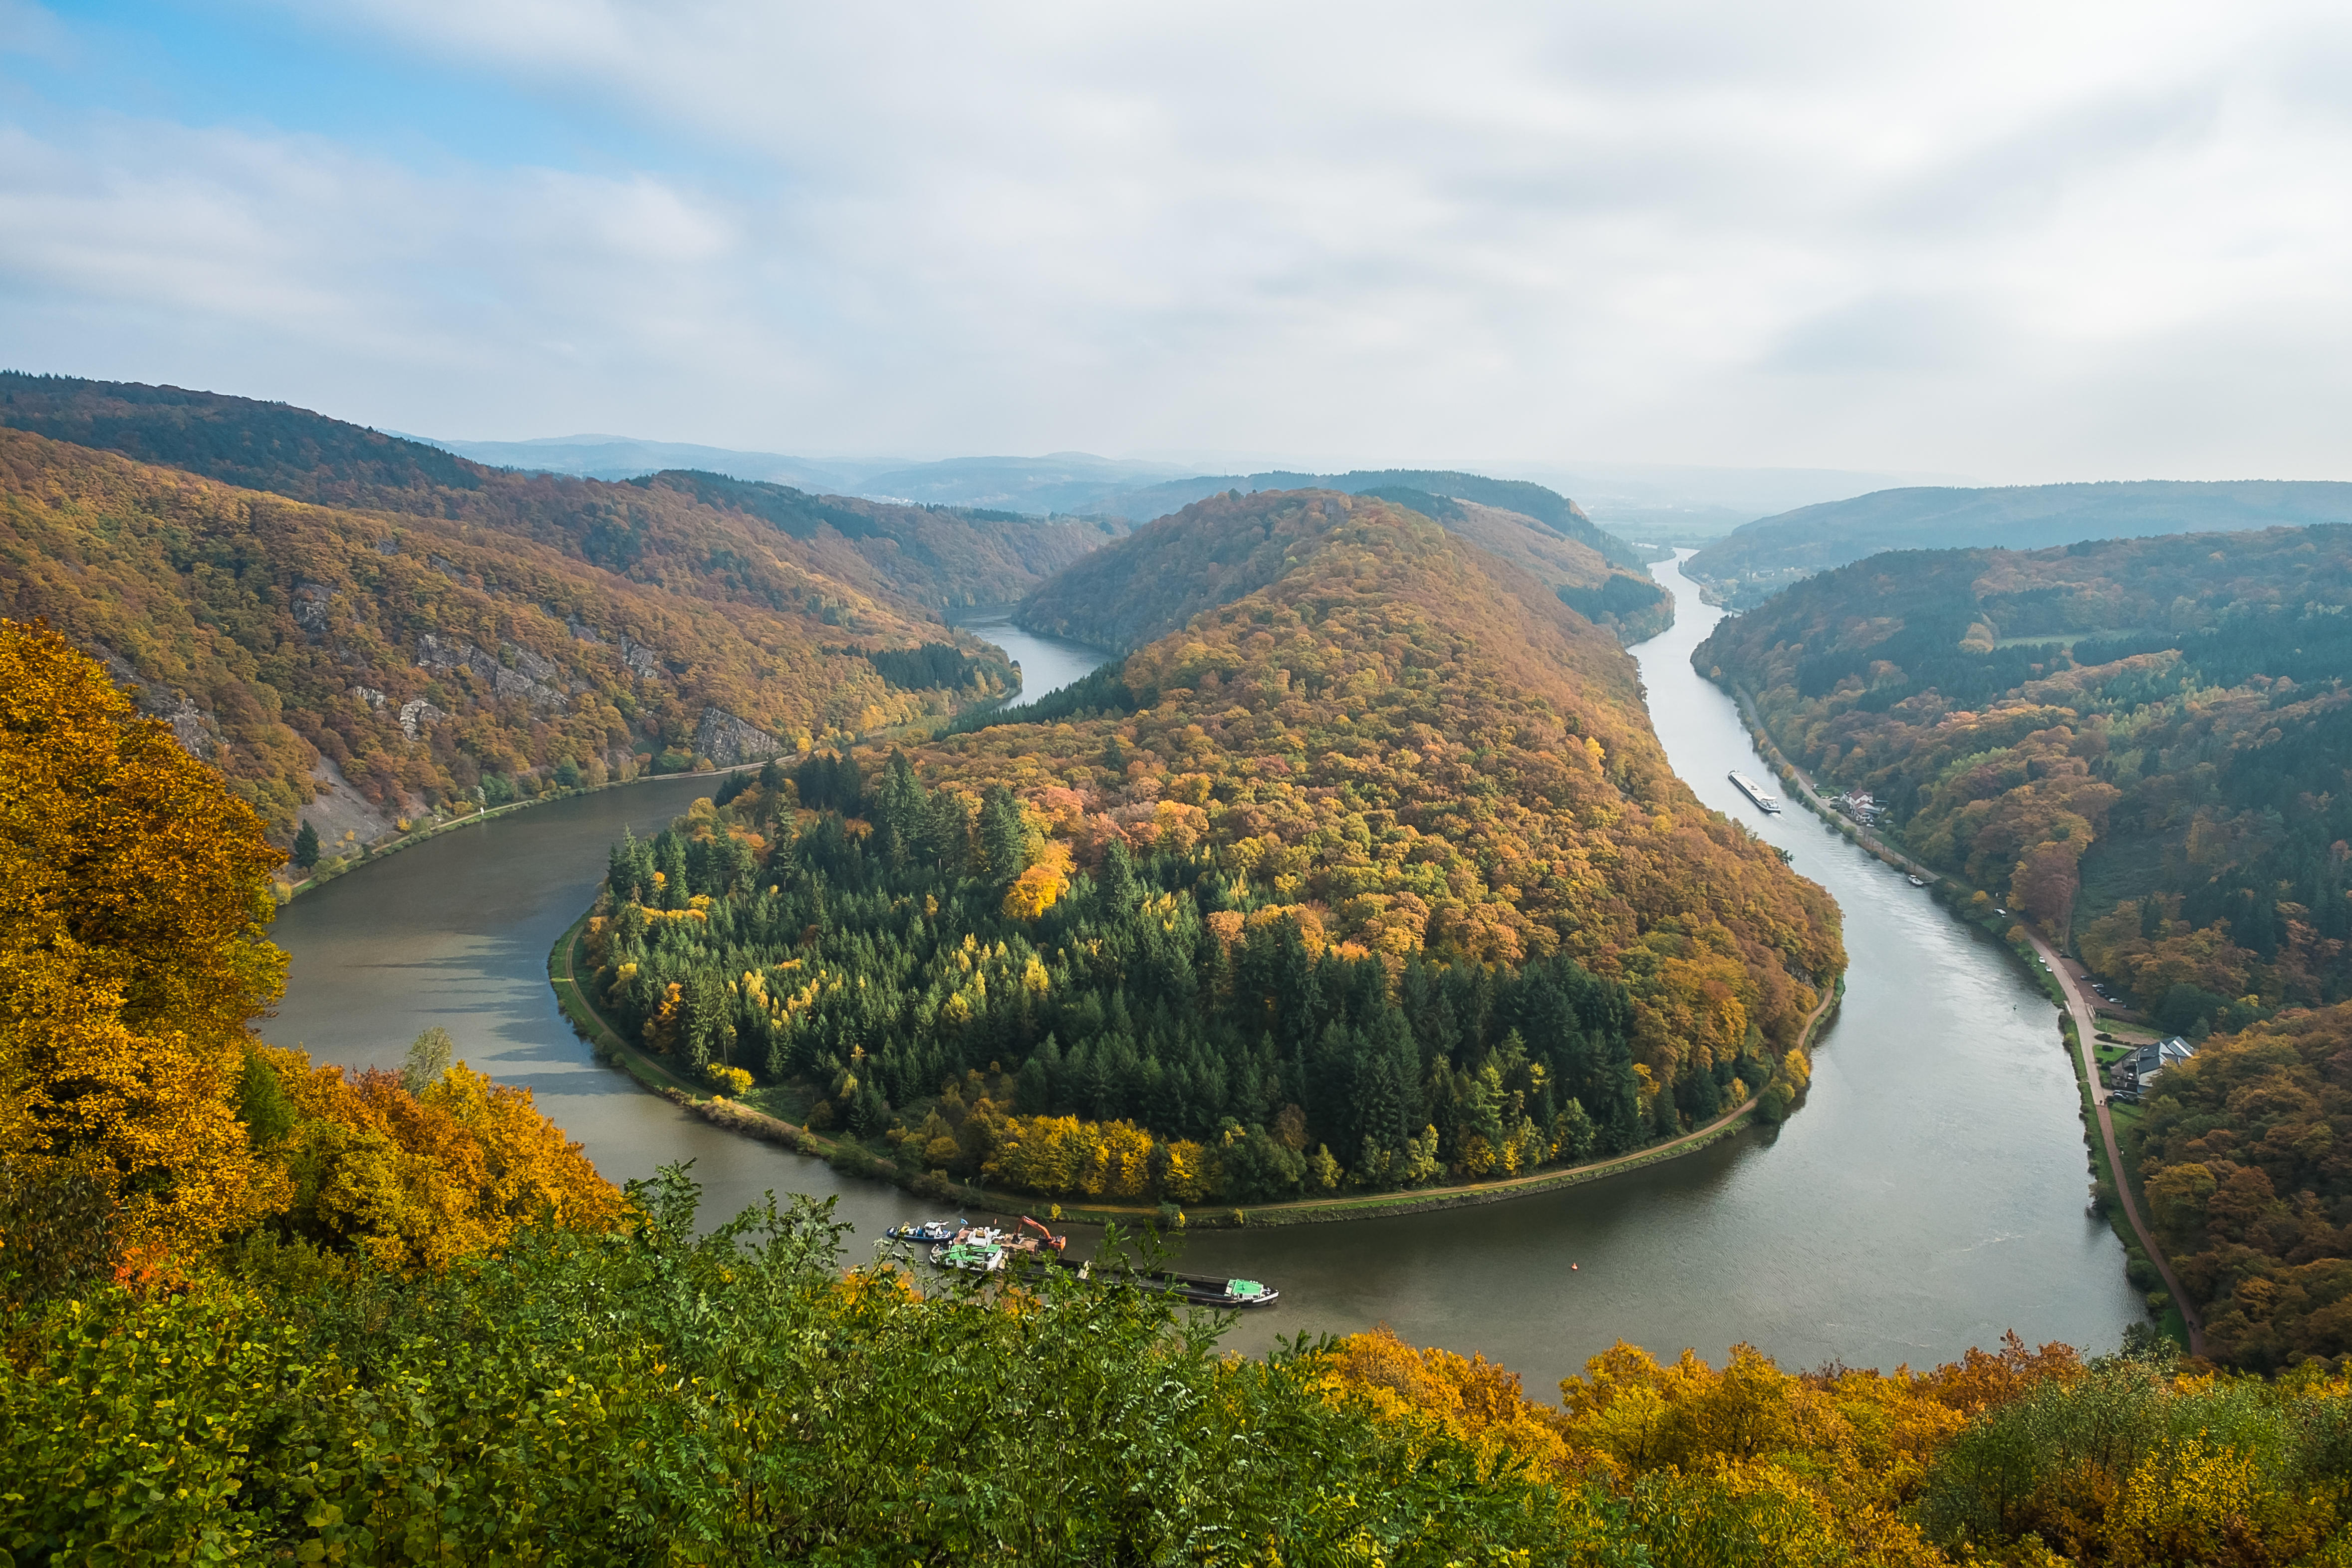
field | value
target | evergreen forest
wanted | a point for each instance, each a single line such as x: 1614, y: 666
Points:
x: 888, y: 949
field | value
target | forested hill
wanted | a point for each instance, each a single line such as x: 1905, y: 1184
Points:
x: 692, y: 534
x: 1154, y: 584
x: 434, y: 660
x: 1548, y: 508
x: 1373, y: 872
x: 1758, y: 560
x: 2143, y: 742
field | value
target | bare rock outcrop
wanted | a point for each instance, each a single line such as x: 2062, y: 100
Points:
x: 442, y: 655
x: 157, y: 701
x: 726, y: 740
x: 415, y: 713
x: 311, y: 607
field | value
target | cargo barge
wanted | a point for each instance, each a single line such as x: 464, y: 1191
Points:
x: 1766, y: 801
x: 984, y: 1249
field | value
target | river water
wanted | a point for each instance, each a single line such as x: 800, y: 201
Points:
x: 1928, y: 1195
x: 1047, y: 664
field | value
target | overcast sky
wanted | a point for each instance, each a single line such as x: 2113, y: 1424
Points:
x: 2018, y: 242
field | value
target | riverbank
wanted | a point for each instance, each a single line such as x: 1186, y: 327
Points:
x: 2078, y: 1025
x: 287, y: 892
x: 564, y: 966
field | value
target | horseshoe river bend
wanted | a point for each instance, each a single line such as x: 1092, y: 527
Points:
x: 1928, y: 1195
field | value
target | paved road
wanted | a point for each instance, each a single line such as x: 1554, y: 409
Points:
x: 2086, y: 1024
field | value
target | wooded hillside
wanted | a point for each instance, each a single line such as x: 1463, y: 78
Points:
x: 1157, y: 585
x: 428, y: 656
x: 696, y: 534
x: 605, y: 626
x: 2145, y: 742
x: 1754, y: 561
x: 2243, y: 1150
x: 1384, y: 670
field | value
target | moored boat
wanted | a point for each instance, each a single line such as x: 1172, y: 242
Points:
x: 1204, y: 1289
x: 973, y: 1257
x: 928, y: 1230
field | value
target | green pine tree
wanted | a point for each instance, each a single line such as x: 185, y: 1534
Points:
x: 306, y: 845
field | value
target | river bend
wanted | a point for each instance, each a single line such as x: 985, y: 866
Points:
x: 1928, y: 1195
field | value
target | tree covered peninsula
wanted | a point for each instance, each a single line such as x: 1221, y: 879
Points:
x: 1371, y: 874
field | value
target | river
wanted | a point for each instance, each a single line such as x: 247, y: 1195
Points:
x: 1047, y: 664
x: 1928, y: 1195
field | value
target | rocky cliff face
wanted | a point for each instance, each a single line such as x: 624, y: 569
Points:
x: 442, y: 655
x: 726, y: 740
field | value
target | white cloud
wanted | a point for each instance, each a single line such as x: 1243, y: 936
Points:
x: 2021, y: 241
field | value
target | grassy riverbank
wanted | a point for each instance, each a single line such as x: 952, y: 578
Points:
x: 564, y: 969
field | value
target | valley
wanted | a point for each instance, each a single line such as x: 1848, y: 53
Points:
x: 1829, y: 1237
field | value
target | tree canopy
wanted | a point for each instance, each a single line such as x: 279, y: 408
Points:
x: 2140, y: 742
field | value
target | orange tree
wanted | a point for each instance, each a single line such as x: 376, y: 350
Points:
x: 132, y: 952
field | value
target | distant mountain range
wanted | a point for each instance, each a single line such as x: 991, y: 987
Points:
x: 1753, y: 562
x: 1076, y: 484
x: 1073, y: 483
x: 626, y: 458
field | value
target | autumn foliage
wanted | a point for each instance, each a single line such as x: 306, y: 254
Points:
x: 132, y: 952
x: 1373, y: 719
x: 2245, y: 1161
x: 2138, y: 742
x: 132, y: 959
x: 294, y: 633
x: 2007, y: 1456
x: 419, y: 1180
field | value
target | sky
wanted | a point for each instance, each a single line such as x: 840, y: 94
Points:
x: 2018, y: 242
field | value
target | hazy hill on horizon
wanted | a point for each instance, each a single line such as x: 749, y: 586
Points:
x: 594, y: 457
x: 1054, y: 484
x: 1755, y: 562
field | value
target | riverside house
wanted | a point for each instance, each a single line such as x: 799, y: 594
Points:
x: 2134, y: 1073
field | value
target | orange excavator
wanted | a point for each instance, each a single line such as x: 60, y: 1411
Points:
x: 1046, y: 1237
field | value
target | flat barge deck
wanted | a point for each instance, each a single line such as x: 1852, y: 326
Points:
x: 1766, y: 801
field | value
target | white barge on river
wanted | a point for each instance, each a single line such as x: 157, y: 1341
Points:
x: 1766, y: 801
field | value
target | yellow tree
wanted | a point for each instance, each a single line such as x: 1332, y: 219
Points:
x: 132, y: 953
